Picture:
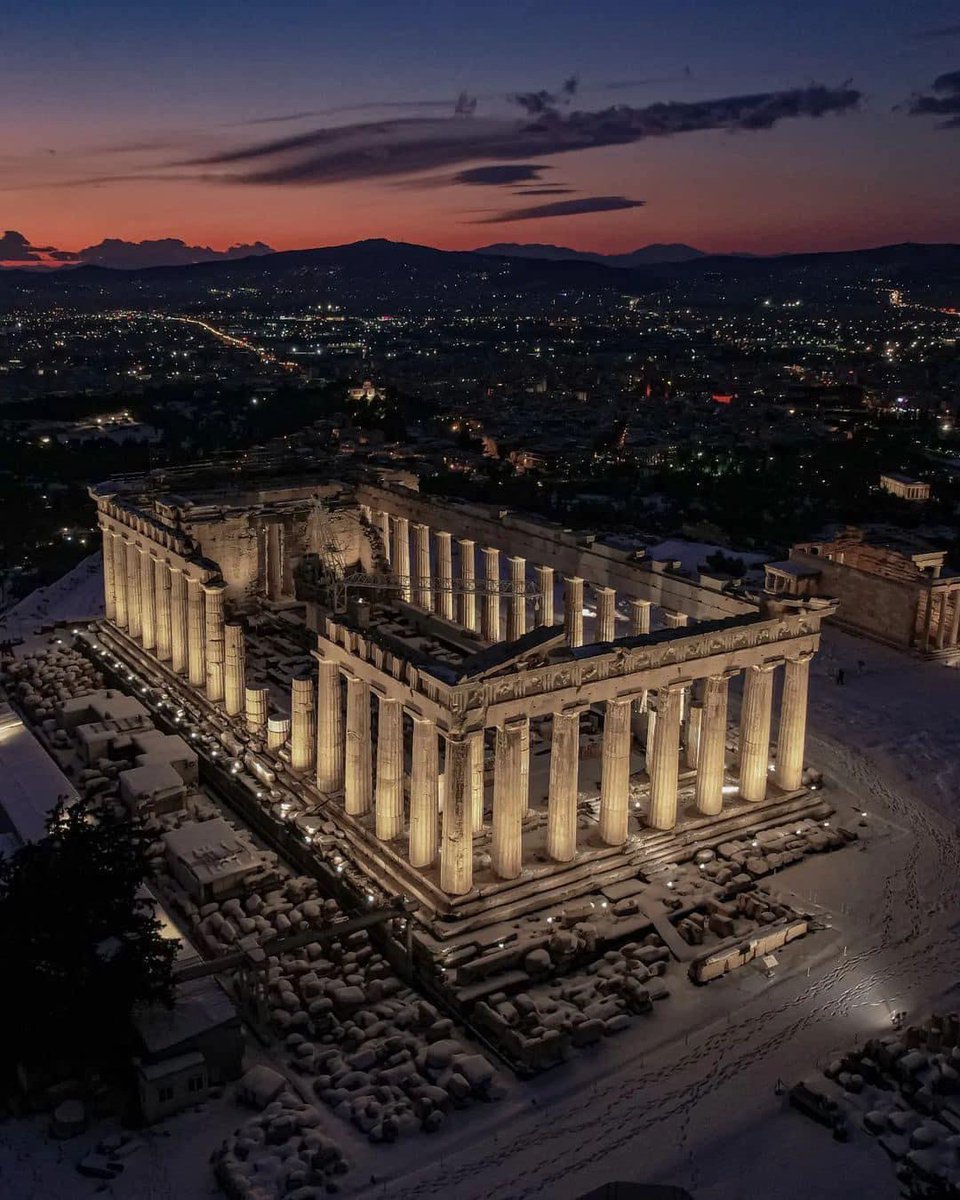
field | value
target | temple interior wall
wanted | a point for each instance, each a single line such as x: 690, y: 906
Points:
x: 883, y: 608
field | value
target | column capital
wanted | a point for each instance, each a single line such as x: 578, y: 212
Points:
x: 724, y: 676
x: 804, y: 656
x: 674, y: 686
x: 211, y: 587
x: 765, y: 668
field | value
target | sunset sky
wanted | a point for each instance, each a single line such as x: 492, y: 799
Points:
x: 728, y: 124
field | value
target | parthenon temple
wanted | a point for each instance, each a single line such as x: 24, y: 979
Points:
x: 479, y: 699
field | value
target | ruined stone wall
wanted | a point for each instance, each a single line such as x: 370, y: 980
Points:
x: 880, y: 607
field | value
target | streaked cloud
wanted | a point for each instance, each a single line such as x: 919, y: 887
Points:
x: 563, y: 208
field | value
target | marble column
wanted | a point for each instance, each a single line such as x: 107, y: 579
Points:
x: 234, y: 668
x: 161, y: 589
x: 467, y: 599
x: 510, y: 798
x: 545, y: 586
x: 927, y: 626
x: 649, y: 737
x: 755, y: 731
x: 674, y: 619
x: 791, y: 741
x: 476, y: 782
x: 330, y: 747
x: 955, y: 621
x: 606, y: 626
x: 666, y: 758
x: 134, y: 599
x: 119, y: 553
x: 383, y: 524
x: 303, y: 723
x: 256, y: 701
x: 178, y: 620
x: 713, y: 745
x: 693, y: 729
x: 424, y: 793
x: 422, y: 589
x: 196, y: 634
x: 401, y: 556
x: 109, y: 582
x: 639, y: 617
x: 615, y: 772
x: 573, y: 610
x: 278, y: 732
x: 358, y: 776
x: 564, y: 786
x: 456, y: 850
x: 517, y: 600
x: 444, y: 603
x: 490, y: 613
x: 148, y: 602
x: 942, y: 623
x: 389, y: 797
x: 213, y: 639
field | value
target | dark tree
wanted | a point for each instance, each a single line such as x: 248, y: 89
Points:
x: 79, y: 944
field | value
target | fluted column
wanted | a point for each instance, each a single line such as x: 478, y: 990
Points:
x: 564, y: 786
x: 649, y: 737
x: 134, y: 601
x: 665, y: 766
x: 510, y: 798
x: 693, y: 729
x: 109, y: 581
x: 330, y: 747
x: 673, y: 619
x: 444, y: 604
x: 422, y: 593
x: 713, y: 745
x: 517, y: 601
x: 234, y: 668
x: 793, y: 722
x: 606, y: 627
x: 358, y: 777
x: 545, y: 598
x: 490, y: 629
x: 256, y: 702
x: 467, y: 600
x: 389, y: 798
x: 213, y: 639
x: 615, y: 772
x: 196, y: 634
x: 955, y: 621
x: 424, y: 793
x: 178, y: 620
x: 755, y: 731
x: 639, y: 617
x: 119, y: 553
x: 401, y: 556
x: 161, y: 589
x: 303, y: 723
x: 942, y: 623
x: 383, y: 524
x: 573, y: 610
x: 456, y: 849
x: 278, y: 732
x: 148, y: 602
x: 476, y: 783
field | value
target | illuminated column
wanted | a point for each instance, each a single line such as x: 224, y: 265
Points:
x: 793, y: 722
x: 148, y: 603
x: 755, y: 731
x: 401, y: 556
x: 467, y: 600
x: 649, y: 737
x: 942, y: 623
x: 666, y: 758
x: 490, y: 629
x: 517, y: 601
x: 639, y: 617
x: 389, y: 800
x: 330, y: 748
x: 109, y: 583
x: 955, y: 622
x: 545, y: 599
x: 510, y: 797
x: 196, y: 634
x: 456, y: 849
x: 161, y: 589
x: 615, y: 772
x: 213, y: 626
x: 358, y: 777
x: 134, y: 601
x: 694, y: 726
x: 424, y: 793
x: 422, y: 593
x: 119, y: 556
x: 278, y: 732
x: 713, y: 745
x: 674, y: 619
x: 383, y: 524
x: 178, y: 620
x: 256, y: 701
x: 444, y: 603
x: 606, y: 627
x: 475, y: 780
x: 303, y: 723
x: 235, y: 668
x: 573, y: 610
x: 564, y: 786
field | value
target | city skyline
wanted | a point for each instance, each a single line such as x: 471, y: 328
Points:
x: 602, y: 130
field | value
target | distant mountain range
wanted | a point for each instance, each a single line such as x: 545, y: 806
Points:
x: 658, y: 252
x: 16, y: 251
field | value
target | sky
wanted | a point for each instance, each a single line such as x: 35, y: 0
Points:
x: 727, y: 124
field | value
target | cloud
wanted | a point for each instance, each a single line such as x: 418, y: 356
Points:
x: 14, y: 247
x: 545, y: 191
x: 946, y: 103
x: 563, y: 208
x: 123, y: 255
x: 412, y: 145
x: 500, y: 173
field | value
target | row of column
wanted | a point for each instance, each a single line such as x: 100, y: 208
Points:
x: 940, y: 618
